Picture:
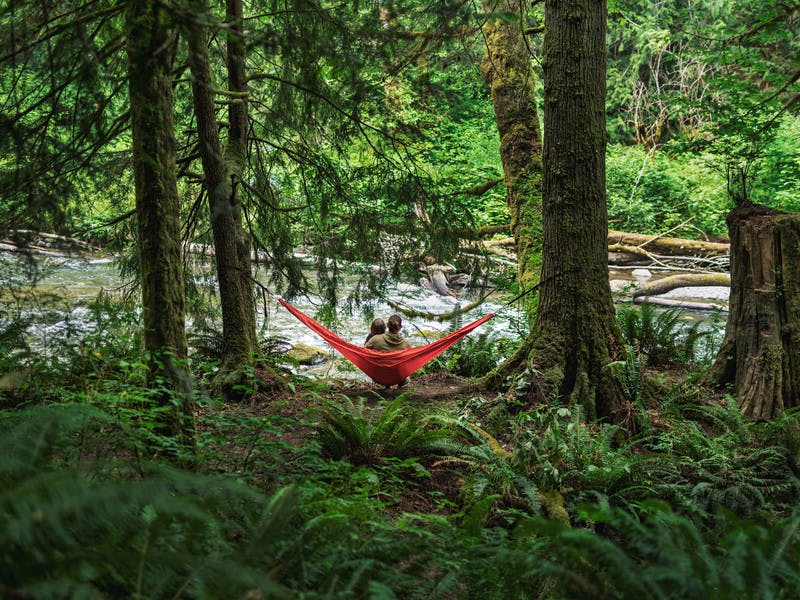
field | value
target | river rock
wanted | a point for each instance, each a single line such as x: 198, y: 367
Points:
x: 306, y: 354
x: 622, y: 285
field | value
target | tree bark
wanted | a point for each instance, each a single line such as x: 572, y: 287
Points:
x: 236, y: 156
x: 233, y: 269
x: 760, y: 354
x: 151, y: 47
x: 576, y: 333
x: 507, y: 68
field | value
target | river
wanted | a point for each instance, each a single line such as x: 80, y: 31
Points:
x: 76, y: 281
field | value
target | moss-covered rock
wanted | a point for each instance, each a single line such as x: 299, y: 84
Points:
x: 306, y: 354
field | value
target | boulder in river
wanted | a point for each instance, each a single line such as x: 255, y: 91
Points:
x: 306, y: 354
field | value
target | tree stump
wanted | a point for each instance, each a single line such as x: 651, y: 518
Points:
x: 760, y: 354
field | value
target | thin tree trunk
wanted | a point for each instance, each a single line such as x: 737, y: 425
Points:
x: 151, y: 47
x: 236, y: 155
x: 760, y: 354
x: 576, y: 333
x: 238, y: 317
x: 507, y: 68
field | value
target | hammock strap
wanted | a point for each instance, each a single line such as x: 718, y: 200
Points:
x: 540, y: 284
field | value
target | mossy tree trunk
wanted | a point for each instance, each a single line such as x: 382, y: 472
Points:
x: 236, y: 156
x: 507, y: 68
x: 231, y: 246
x: 151, y: 46
x: 576, y: 332
x: 760, y: 354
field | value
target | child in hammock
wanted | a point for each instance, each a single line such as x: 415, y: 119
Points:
x: 377, y: 327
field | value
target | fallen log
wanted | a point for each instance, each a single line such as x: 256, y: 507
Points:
x: 7, y: 247
x: 668, y: 246
x: 692, y: 305
x: 636, y: 248
x: 419, y: 314
x: 661, y: 286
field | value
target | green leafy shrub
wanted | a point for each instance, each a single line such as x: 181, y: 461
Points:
x: 652, y: 192
x: 658, y: 334
x: 119, y: 532
x: 105, y: 528
x: 656, y: 553
x: 364, y: 437
x: 712, y: 465
x: 476, y: 356
x: 495, y: 486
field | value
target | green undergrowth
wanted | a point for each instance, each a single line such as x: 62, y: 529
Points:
x: 315, y: 491
x: 316, y: 495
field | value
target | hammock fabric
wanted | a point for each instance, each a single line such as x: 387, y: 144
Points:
x: 386, y: 368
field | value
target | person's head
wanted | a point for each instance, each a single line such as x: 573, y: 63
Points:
x: 377, y: 326
x: 395, y: 323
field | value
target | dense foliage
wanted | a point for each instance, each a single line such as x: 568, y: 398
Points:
x: 373, y: 143
x: 313, y: 495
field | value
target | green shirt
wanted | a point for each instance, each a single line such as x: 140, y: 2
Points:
x: 388, y: 342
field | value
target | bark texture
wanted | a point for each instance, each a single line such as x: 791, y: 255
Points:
x: 576, y: 332
x: 151, y: 46
x: 507, y: 68
x: 236, y: 155
x: 230, y: 242
x: 760, y: 354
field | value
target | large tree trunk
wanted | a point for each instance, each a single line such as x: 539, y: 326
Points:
x: 576, y: 332
x: 233, y: 274
x: 151, y: 46
x: 507, y: 68
x: 760, y: 354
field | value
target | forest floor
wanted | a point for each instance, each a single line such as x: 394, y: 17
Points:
x: 426, y: 393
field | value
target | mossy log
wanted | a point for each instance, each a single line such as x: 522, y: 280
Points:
x: 668, y: 246
x: 760, y: 354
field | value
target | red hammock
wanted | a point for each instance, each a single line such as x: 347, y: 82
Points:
x: 387, y: 368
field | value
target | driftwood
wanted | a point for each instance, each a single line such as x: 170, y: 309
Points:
x: 419, y: 314
x: 45, y: 244
x: 6, y: 247
x: 668, y: 246
x: 666, y: 284
x: 691, y: 305
x: 648, y: 244
x: 654, y: 250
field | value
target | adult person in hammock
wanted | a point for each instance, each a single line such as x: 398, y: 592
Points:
x: 391, y: 340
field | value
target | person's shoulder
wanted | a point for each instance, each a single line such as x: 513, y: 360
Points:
x: 375, y: 339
